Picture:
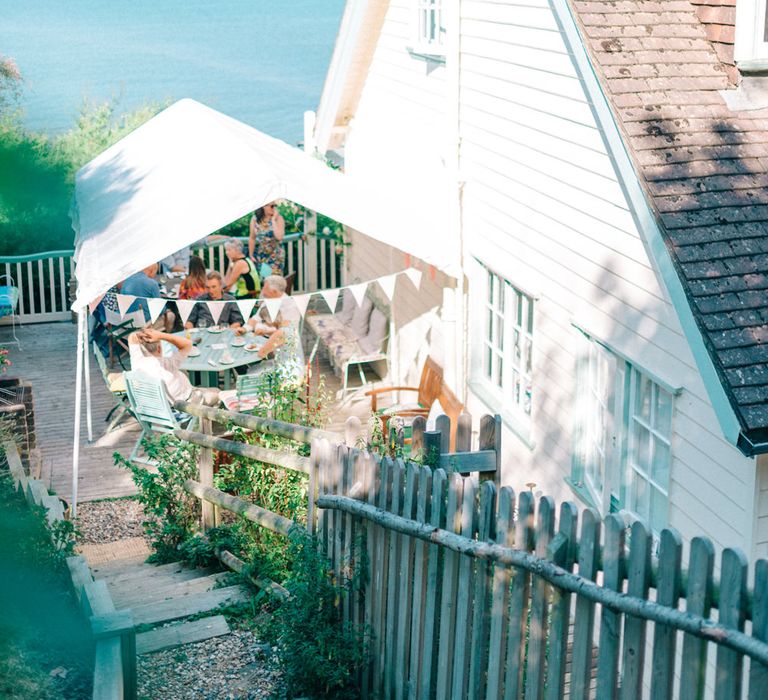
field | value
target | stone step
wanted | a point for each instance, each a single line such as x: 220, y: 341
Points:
x: 193, y: 604
x: 182, y: 633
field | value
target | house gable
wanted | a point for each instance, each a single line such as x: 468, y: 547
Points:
x: 702, y: 169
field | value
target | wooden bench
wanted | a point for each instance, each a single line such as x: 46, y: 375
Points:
x: 431, y: 387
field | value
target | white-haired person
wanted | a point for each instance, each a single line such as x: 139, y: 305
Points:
x: 242, y: 278
x: 283, y: 332
x: 146, y: 353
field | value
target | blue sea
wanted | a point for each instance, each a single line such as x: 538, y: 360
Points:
x: 260, y: 61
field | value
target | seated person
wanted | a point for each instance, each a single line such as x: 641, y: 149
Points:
x: 274, y: 288
x: 147, y: 356
x: 242, y: 278
x: 284, y: 337
x: 177, y: 262
x: 144, y: 284
x: 201, y: 314
x: 194, y: 284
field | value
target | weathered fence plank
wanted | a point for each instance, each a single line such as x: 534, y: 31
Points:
x: 731, y: 607
x: 463, y: 608
x: 610, y: 622
x: 373, y: 468
x: 424, y: 490
x: 701, y: 562
x: 563, y: 555
x: 417, y: 435
x: 478, y: 660
x: 505, y: 536
x: 445, y: 655
x: 393, y: 576
x: 668, y: 593
x: 437, y: 518
x: 380, y: 570
x: 519, y: 601
x: 638, y: 580
x: 581, y: 665
x: 758, y: 673
x: 537, y: 627
x: 405, y: 592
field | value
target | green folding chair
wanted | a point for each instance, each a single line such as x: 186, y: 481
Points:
x: 116, y: 385
x: 152, y: 409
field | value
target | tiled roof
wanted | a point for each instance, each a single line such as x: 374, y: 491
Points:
x: 704, y: 168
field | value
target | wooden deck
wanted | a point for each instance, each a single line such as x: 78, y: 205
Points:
x: 46, y: 360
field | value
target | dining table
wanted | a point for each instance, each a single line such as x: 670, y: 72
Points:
x: 217, y: 352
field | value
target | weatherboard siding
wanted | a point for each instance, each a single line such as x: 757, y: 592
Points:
x: 542, y: 207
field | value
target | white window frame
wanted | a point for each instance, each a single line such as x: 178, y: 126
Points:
x: 503, y: 369
x: 428, y: 28
x: 622, y: 425
x: 751, y: 47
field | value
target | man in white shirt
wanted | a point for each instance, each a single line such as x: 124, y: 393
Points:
x: 146, y: 355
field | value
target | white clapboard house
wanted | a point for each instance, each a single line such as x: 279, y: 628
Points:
x: 598, y: 176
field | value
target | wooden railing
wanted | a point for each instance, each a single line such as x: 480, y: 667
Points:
x: 43, y: 281
x: 114, y: 634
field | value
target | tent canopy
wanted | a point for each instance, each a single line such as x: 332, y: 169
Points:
x: 191, y: 170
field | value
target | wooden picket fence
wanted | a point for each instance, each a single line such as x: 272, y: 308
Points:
x: 476, y: 592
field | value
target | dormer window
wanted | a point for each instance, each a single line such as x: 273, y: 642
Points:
x: 428, y: 29
x: 751, y: 42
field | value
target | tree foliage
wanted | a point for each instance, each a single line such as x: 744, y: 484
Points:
x: 37, y: 172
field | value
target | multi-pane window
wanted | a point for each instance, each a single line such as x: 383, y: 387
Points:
x: 507, y: 345
x: 649, y: 449
x: 430, y: 31
x: 623, y: 429
x: 751, y: 37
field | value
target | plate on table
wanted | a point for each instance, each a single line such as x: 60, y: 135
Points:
x: 215, y: 329
x: 237, y: 343
x: 226, y: 360
x: 194, y: 352
x: 253, y: 347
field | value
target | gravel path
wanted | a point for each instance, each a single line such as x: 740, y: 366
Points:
x: 233, y: 667
x: 109, y: 521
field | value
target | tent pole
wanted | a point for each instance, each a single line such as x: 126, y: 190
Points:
x: 78, y: 401
x: 87, y: 359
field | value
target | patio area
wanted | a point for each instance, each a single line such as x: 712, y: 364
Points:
x: 46, y: 360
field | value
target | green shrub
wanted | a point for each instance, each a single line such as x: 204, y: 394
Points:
x: 172, y: 514
x: 319, y: 655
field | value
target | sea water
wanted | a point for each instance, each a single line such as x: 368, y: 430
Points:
x: 260, y: 61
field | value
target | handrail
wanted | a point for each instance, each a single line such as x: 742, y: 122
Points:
x: 557, y: 576
x: 36, y: 256
x: 292, y: 431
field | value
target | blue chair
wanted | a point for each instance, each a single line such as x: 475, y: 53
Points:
x: 152, y: 409
x: 9, y: 300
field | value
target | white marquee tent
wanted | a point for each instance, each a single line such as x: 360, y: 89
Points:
x: 190, y: 171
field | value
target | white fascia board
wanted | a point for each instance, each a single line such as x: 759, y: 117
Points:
x: 336, y: 78
x: 645, y: 218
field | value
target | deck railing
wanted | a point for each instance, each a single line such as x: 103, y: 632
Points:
x: 44, y: 280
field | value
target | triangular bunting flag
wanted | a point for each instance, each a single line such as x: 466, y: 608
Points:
x: 358, y: 291
x: 246, y: 306
x: 273, y: 307
x: 387, y: 285
x: 215, y: 307
x: 95, y: 303
x: 185, y: 307
x: 155, y: 307
x: 124, y: 302
x: 331, y: 296
x: 302, y: 302
x: 414, y: 275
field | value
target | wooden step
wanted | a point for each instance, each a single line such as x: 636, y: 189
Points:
x: 192, y: 604
x: 150, y: 571
x: 118, y: 565
x: 183, y: 633
x: 149, y: 591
